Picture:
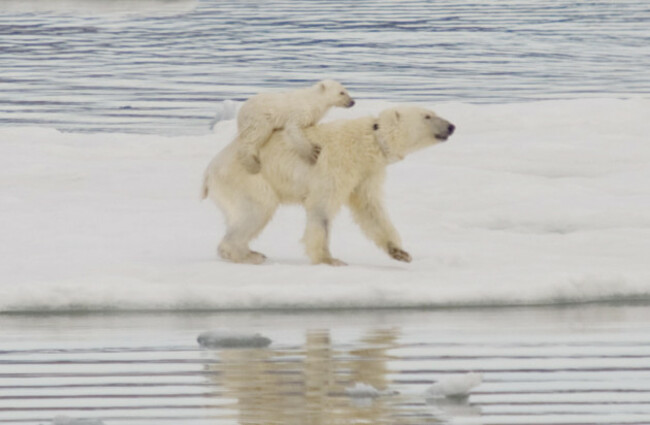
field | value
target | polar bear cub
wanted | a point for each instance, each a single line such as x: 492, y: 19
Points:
x: 291, y: 111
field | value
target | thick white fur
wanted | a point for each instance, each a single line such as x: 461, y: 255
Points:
x: 350, y: 171
x: 292, y: 111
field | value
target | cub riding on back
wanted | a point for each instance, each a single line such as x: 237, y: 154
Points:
x: 291, y: 111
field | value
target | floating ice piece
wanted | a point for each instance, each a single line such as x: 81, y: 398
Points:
x: 225, y: 110
x: 361, y: 390
x: 66, y: 420
x: 454, y: 385
x: 229, y: 339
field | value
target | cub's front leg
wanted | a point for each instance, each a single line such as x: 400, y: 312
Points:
x: 294, y: 136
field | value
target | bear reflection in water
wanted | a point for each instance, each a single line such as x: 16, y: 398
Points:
x: 307, y: 385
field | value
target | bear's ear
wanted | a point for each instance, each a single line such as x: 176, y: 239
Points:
x: 397, y: 115
x: 322, y: 86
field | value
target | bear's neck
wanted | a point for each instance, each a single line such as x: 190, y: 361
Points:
x: 385, y: 142
x: 319, y: 110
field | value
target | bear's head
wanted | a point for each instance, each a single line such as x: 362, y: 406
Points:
x: 409, y: 128
x: 335, y: 93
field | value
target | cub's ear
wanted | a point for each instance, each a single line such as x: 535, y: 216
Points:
x: 322, y: 86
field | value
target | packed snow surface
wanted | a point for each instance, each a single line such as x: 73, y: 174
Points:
x: 231, y: 339
x: 542, y: 202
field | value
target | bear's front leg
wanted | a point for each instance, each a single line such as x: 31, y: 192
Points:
x: 368, y: 211
x: 316, y: 236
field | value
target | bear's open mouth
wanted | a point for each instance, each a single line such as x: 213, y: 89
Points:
x: 441, y: 137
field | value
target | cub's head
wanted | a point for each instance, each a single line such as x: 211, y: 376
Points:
x: 335, y: 93
x: 409, y: 128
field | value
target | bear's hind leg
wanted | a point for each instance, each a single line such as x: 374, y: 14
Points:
x: 244, y: 224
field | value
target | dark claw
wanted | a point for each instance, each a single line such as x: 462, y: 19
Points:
x: 315, y: 152
x: 398, y: 253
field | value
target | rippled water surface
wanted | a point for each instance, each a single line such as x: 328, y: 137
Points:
x: 163, y: 66
x: 580, y: 365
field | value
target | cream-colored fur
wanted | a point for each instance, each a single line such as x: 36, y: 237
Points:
x: 350, y: 171
x: 292, y: 111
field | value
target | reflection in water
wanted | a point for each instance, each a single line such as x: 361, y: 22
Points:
x: 307, y: 385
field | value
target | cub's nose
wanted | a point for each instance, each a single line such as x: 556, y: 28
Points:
x: 351, y: 103
x: 451, y: 129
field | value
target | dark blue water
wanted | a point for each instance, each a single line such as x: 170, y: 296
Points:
x: 164, y: 66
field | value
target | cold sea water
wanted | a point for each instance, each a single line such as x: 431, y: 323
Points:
x: 168, y: 68
x: 163, y: 66
x: 585, y: 365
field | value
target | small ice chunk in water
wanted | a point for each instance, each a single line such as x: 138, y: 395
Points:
x: 454, y: 385
x: 226, y: 110
x: 229, y: 339
x: 361, y: 390
x: 66, y: 420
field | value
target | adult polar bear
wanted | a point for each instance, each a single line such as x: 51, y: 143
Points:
x: 350, y: 170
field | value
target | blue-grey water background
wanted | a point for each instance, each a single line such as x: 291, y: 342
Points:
x: 583, y: 365
x: 97, y: 65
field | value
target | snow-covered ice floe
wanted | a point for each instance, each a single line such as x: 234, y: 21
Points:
x: 531, y: 203
x: 231, y: 339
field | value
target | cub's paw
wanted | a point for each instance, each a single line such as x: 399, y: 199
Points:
x: 251, y: 163
x: 310, y: 154
x: 398, y: 253
x: 315, y: 152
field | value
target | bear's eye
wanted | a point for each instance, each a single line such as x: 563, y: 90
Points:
x: 342, y: 93
x: 428, y: 117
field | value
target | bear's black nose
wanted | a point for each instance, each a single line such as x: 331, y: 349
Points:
x: 351, y: 104
x: 451, y: 128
